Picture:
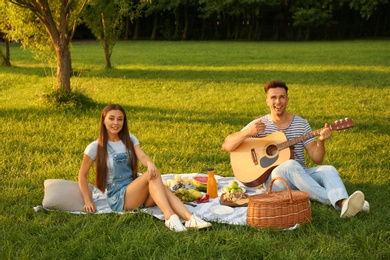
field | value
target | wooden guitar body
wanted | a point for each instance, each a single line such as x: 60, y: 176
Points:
x: 255, y: 158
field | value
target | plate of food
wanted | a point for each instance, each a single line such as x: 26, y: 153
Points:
x: 221, y: 210
x: 234, y: 199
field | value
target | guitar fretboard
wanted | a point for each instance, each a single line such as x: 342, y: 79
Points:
x: 298, y: 139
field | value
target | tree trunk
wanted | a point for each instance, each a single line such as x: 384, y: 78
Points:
x: 127, y: 27
x: 202, y: 36
x: 307, y: 34
x: 105, y: 43
x: 136, y: 29
x: 236, y: 27
x: 250, y: 22
x: 186, y: 24
x: 153, y: 36
x: 257, y: 33
x: 64, y: 67
x: 176, y: 34
x: 228, y: 30
x: 61, y: 45
x: 107, y: 54
x: 60, y: 40
x: 2, y: 58
x: 7, y: 58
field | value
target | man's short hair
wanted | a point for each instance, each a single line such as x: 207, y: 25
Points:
x: 275, y: 84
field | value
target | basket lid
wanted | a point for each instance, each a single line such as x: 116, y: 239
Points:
x: 285, y: 196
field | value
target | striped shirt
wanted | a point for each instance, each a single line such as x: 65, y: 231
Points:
x: 297, y: 127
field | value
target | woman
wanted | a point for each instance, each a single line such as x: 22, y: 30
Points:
x: 116, y: 153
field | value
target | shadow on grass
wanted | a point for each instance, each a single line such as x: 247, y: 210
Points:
x: 62, y: 100
x: 87, y: 106
x: 305, y: 78
x: 80, y: 105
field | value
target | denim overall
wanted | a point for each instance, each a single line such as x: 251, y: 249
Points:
x: 123, y: 175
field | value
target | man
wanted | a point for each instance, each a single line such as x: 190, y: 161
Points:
x: 323, y: 182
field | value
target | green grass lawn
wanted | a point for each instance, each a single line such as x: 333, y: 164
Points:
x: 182, y: 99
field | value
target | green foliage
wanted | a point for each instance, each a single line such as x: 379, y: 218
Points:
x: 27, y: 29
x: 366, y: 7
x: 310, y: 17
x: 104, y: 20
x: 61, y: 99
x: 182, y: 99
x: 132, y: 9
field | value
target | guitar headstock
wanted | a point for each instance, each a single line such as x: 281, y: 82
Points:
x: 342, y: 124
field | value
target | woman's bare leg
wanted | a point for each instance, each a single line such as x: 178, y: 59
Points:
x: 137, y: 193
x: 153, y: 192
x: 177, y: 205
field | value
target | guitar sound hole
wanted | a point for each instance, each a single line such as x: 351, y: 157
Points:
x: 271, y: 150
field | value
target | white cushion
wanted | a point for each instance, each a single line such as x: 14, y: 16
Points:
x: 63, y: 195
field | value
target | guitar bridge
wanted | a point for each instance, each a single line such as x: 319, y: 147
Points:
x: 254, y: 156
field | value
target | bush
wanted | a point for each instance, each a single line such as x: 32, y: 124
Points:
x: 67, y: 100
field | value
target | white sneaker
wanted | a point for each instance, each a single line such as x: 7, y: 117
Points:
x: 174, y: 224
x: 196, y: 222
x: 353, y: 205
x: 366, y: 207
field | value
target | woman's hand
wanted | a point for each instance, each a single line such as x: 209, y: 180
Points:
x: 152, y: 171
x: 89, y: 207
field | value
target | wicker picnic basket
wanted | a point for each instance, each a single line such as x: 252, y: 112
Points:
x: 278, y: 209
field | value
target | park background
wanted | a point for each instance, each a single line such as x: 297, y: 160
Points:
x: 182, y: 99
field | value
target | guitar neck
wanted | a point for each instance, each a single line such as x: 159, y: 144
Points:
x: 342, y: 124
x: 298, y: 139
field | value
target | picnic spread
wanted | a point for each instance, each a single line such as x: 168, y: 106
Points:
x: 229, y: 207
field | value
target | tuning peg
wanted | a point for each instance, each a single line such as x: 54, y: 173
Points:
x: 336, y: 122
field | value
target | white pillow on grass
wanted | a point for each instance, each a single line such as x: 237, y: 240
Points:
x: 64, y: 195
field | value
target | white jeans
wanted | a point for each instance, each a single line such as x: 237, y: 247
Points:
x: 323, y: 183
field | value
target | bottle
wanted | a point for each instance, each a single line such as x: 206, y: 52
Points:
x: 212, y: 187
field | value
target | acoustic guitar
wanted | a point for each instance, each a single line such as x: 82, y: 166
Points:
x: 255, y: 158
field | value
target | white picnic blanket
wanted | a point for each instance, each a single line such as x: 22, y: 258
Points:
x: 237, y: 217
x: 204, y: 210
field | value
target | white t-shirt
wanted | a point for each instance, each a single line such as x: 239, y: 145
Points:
x: 118, y: 147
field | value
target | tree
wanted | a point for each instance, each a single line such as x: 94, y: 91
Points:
x: 5, y: 59
x: 105, y: 19
x: 44, y: 25
x: 310, y: 16
x: 165, y: 9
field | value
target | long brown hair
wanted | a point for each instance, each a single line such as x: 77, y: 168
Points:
x: 101, y: 156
